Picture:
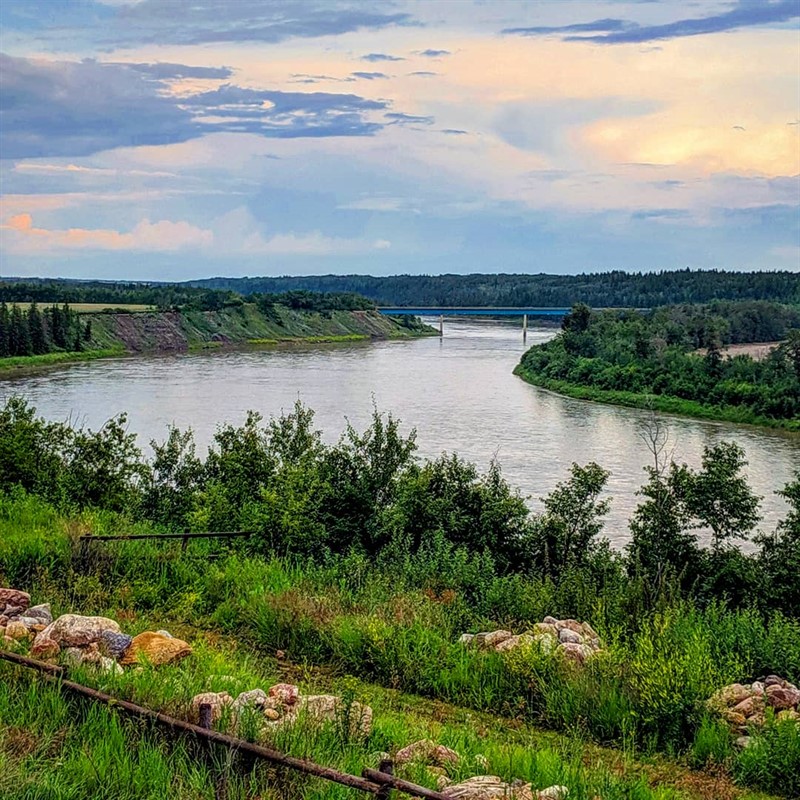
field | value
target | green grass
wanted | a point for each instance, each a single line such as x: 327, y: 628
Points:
x: 22, y: 363
x: 655, y: 402
x: 645, y: 694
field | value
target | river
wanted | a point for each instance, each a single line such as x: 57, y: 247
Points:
x: 458, y: 392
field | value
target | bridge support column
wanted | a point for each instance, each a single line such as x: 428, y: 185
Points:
x: 524, y: 327
x: 441, y: 324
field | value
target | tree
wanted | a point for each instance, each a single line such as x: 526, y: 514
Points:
x: 564, y: 535
x: 37, y: 330
x: 720, y: 498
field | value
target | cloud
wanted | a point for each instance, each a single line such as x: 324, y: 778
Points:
x: 423, y: 73
x: 433, y: 53
x: 68, y: 108
x: 454, y: 131
x: 745, y: 13
x: 164, y: 235
x: 78, y: 170
x: 398, y: 118
x: 369, y: 76
x: 165, y: 71
x: 375, y: 57
x: 310, y: 244
x: 163, y: 22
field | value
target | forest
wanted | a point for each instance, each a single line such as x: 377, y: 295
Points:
x: 673, y: 359
x: 615, y: 289
x: 31, y: 331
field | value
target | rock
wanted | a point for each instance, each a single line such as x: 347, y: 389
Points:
x: 788, y: 714
x: 773, y: 680
x: 749, y: 706
x: 114, y: 645
x: 553, y: 793
x: 730, y: 695
x: 546, y: 642
x: 743, y: 741
x: 442, y: 781
x: 14, y: 597
x: 569, y: 636
x: 73, y: 657
x: 757, y: 688
x: 735, y: 719
x: 285, y: 693
x: 549, y: 620
x: 779, y: 697
x: 578, y: 653
x: 33, y: 624
x: 428, y: 752
x: 156, y: 649
x: 109, y: 665
x: 165, y: 634
x: 466, y: 638
x: 570, y: 625
x: 487, y: 787
x: 255, y: 699
x: 524, y: 639
x: 17, y: 631
x: 545, y: 628
x: 589, y: 631
x: 44, y: 648
x: 218, y: 702
x: 41, y: 612
x: 72, y: 630
x: 329, y: 708
x: 9, y: 612
x: 271, y: 714
x: 492, y: 638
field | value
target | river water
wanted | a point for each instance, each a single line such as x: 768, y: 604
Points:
x: 458, y: 392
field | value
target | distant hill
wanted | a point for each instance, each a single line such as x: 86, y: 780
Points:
x: 641, y: 290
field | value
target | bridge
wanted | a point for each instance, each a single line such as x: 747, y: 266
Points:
x: 472, y: 311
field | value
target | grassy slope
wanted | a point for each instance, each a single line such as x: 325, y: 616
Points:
x: 116, y: 334
x: 665, y: 403
x: 51, y: 747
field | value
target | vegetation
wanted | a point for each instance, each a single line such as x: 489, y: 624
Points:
x: 615, y: 289
x: 654, y: 360
x: 30, y: 337
x: 373, y: 563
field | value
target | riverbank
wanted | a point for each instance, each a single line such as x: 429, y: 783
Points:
x: 117, y: 334
x: 666, y: 403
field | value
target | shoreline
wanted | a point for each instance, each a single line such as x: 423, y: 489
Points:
x: 663, y: 403
x: 27, y: 365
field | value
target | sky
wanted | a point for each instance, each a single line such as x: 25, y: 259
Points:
x: 180, y: 139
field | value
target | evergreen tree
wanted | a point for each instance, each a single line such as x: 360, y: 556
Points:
x: 37, y: 330
x: 5, y: 331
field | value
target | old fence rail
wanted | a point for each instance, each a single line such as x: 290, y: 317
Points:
x: 371, y: 781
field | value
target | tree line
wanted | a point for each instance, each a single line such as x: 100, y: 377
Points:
x: 368, y: 494
x: 677, y: 352
x: 31, y: 331
x: 615, y: 289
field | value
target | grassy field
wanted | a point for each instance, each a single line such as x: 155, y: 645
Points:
x: 96, y: 308
x: 367, y: 635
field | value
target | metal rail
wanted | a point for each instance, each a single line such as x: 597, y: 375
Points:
x: 90, y: 537
x: 373, y: 781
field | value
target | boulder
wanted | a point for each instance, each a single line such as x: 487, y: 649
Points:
x: 114, y: 645
x: 156, y: 649
x: 9, y: 612
x: 45, y: 648
x: 729, y: 696
x: 491, y: 639
x: 569, y: 636
x: 33, y: 624
x: 515, y: 641
x: 553, y: 793
x: 218, y: 702
x: 17, y: 631
x: 466, y: 638
x: 488, y: 787
x: 14, y: 597
x: 427, y: 752
x: 749, y: 706
x: 779, y: 697
x: 285, y: 693
x: 329, y: 708
x: 41, y: 612
x: 72, y: 630
x: 577, y: 653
